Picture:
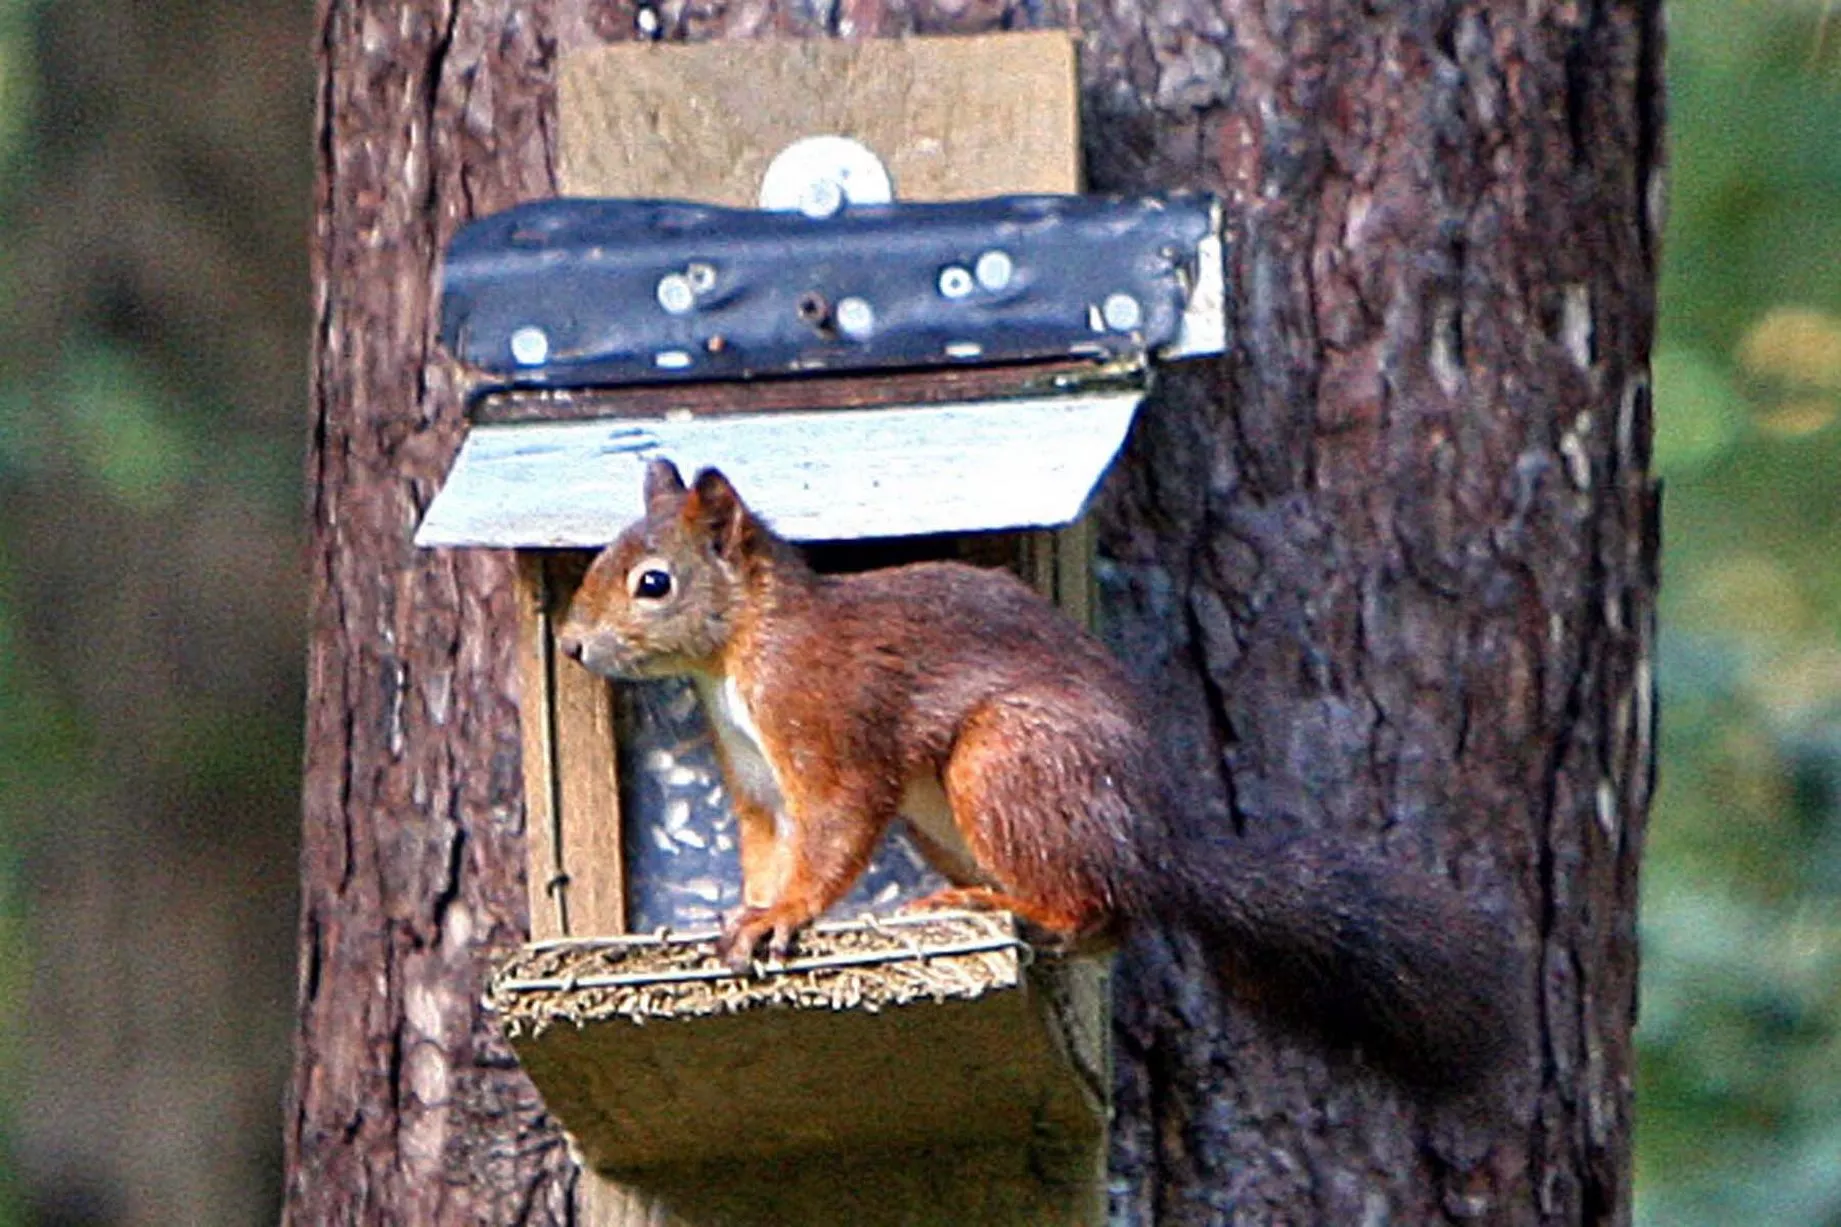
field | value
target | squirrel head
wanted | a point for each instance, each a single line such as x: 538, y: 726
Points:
x: 662, y: 599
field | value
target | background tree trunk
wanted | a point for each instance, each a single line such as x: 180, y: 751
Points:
x: 1392, y: 566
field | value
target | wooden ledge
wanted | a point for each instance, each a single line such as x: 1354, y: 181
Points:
x: 936, y: 1030
x: 860, y: 965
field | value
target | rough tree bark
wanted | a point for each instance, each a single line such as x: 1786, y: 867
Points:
x: 1392, y: 566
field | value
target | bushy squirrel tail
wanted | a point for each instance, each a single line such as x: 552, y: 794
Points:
x: 1364, y: 953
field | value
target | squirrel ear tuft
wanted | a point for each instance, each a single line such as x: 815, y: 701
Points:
x: 712, y: 487
x: 718, y: 510
x: 663, y: 481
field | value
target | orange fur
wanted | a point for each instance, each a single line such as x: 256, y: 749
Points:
x: 836, y: 697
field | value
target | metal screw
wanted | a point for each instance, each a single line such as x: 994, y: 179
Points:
x: 702, y: 277
x: 994, y: 269
x: 676, y: 294
x: 1122, y: 312
x: 856, y: 319
x: 818, y: 175
x: 530, y: 346
x: 955, y: 282
x: 814, y: 310
x: 821, y: 198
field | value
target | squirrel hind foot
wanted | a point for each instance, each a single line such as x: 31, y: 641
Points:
x: 1046, y: 930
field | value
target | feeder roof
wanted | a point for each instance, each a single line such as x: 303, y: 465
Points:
x: 825, y: 475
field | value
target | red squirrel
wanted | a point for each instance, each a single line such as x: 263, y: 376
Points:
x: 1019, y: 752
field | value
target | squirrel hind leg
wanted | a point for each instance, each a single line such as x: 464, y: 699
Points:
x: 1031, y: 796
x: 1050, y: 930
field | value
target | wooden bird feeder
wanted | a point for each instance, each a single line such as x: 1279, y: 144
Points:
x: 911, y: 1068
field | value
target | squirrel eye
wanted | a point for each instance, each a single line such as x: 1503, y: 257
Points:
x: 652, y: 584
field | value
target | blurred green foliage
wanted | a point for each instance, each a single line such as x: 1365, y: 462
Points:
x: 1739, y: 1098
x: 30, y: 741
x: 154, y: 187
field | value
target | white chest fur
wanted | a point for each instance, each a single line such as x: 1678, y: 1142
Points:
x: 924, y: 805
x: 923, y: 801
x: 749, y: 769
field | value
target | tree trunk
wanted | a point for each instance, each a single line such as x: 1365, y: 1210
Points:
x: 1391, y: 564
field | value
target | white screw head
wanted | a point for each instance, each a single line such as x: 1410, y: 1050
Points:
x: 530, y: 346
x: 676, y: 294
x: 821, y: 198
x: 855, y: 318
x: 1122, y: 312
x: 994, y: 270
x: 955, y: 282
x: 804, y: 176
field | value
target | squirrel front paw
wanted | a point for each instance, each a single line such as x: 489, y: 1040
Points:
x: 751, y: 928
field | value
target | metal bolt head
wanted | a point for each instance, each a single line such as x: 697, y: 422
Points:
x: 676, y: 294
x: 955, y: 281
x: 994, y: 270
x: 530, y: 346
x: 814, y: 309
x: 1121, y: 312
x: 855, y: 318
x: 821, y: 198
x: 803, y: 176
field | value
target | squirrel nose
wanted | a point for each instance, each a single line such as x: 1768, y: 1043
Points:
x: 571, y: 647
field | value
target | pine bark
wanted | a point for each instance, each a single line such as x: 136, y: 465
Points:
x: 1391, y: 566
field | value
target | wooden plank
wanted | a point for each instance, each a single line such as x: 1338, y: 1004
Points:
x: 981, y: 1183
x: 589, y: 788
x: 746, y: 1115
x: 548, y: 904
x: 1074, y: 583
x: 825, y: 476
x: 951, y: 118
x: 931, y: 387
x: 1036, y: 562
x: 571, y: 777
